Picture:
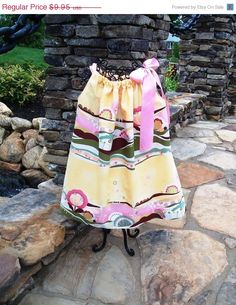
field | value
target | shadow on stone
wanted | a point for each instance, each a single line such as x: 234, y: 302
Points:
x: 11, y: 183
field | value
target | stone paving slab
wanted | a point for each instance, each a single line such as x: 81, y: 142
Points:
x: 193, y: 174
x: 3, y: 199
x: 209, y: 140
x: 184, y: 149
x: 37, y: 240
x: 226, y: 135
x: 230, y: 120
x: 191, y: 132
x: 225, y: 146
x: 40, y: 299
x: 26, y: 203
x: 231, y: 127
x: 9, y: 268
x: 23, y: 280
x: 208, y: 125
x: 188, y: 261
x: 109, y: 271
x: 106, y: 276
x: 174, y: 266
x: 50, y: 186
x: 34, y: 235
x: 63, y: 278
x: 222, y: 159
x: 214, y: 207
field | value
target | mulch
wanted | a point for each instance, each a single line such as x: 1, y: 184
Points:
x: 28, y: 111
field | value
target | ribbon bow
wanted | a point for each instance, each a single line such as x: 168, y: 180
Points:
x: 149, y: 79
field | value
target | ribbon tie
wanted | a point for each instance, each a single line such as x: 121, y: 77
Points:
x: 148, y: 77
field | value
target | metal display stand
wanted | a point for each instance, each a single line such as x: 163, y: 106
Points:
x: 126, y: 233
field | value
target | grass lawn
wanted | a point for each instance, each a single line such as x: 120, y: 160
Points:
x: 21, y: 55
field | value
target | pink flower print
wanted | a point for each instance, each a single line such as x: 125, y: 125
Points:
x: 127, y: 134
x: 123, y: 134
x: 137, y: 109
x: 76, y: 199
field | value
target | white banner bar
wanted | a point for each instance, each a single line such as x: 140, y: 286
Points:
x: 116, y: 7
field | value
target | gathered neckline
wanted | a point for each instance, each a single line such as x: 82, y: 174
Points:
x: 101, y: 78
x: 93, y: 69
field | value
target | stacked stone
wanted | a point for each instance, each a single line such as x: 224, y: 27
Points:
x: 21, y: 150
x: 185, y: 108
x: 76, y: 41
x: 205, y: 59
x: 33, y: 233
x: 232, y: 85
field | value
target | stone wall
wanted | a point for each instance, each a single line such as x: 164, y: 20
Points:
x: 232, y: 84
x: 75, y: 42
x: 205, y: 61
x: 33, y: 233
x: 21, y: 151
x: 185, y: 108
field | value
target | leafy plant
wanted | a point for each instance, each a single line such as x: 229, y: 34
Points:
x: 174, y: 54
x: 7, y: 20
x: 171, y: 79
x: 34, y: 40
x: 20, y: 83
x: 176, y: 19
x: 171, y: 84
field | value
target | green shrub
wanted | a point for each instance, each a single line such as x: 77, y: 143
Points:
x: 175, y: 19
x: 36, y: 39
x: 7, y: 20
x: 171, y: 83
x: 174, y: 54
x: 20, y: 83
x: 175, y: 50
x: 171, y: 79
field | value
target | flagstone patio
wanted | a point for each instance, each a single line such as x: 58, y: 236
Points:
x: 189, y: 261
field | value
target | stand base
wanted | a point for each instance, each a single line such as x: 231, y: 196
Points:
x: 126, y: 233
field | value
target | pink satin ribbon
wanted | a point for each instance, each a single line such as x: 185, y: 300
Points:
x: 149, y: 79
